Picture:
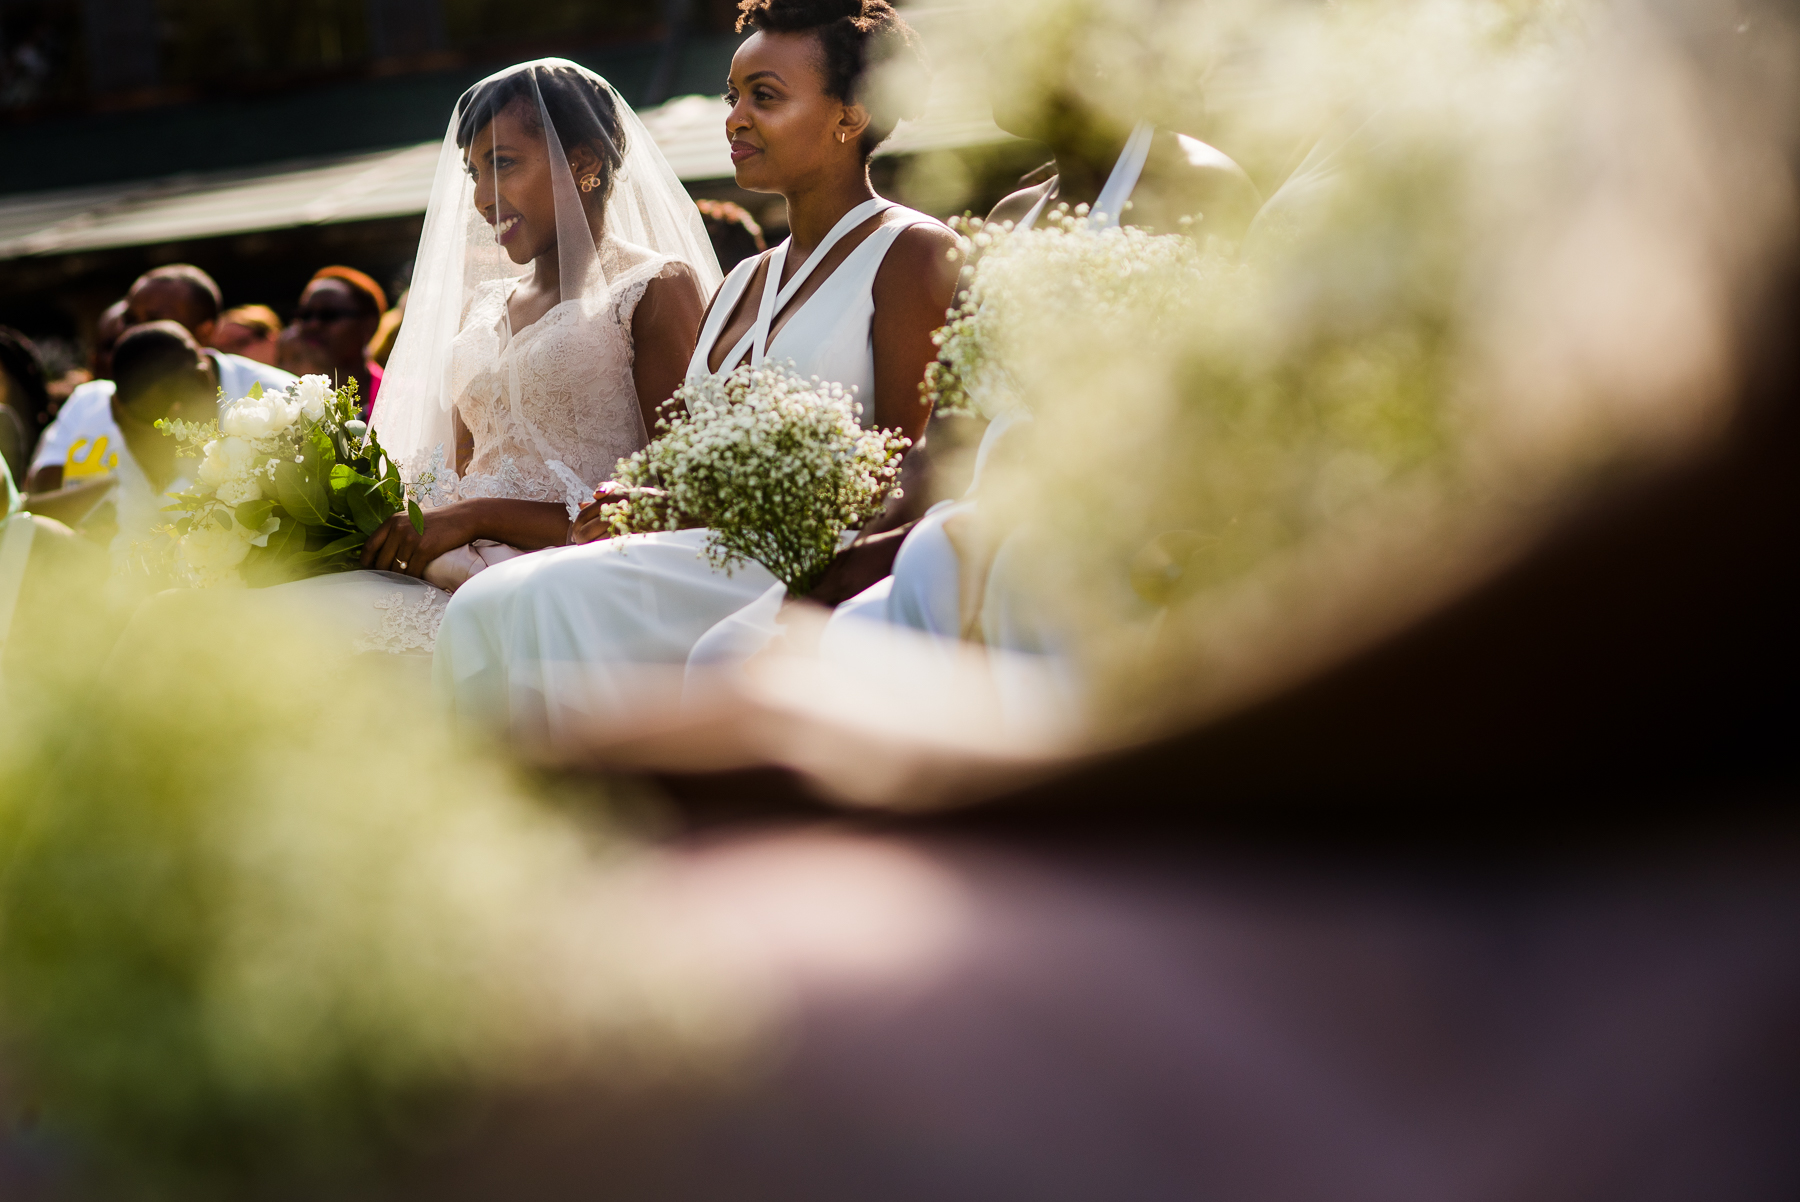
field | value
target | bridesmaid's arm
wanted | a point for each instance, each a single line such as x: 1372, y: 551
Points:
x: 664, y: 330
x: 913, y: 290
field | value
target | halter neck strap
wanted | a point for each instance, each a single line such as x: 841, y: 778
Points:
x: 776, y: 295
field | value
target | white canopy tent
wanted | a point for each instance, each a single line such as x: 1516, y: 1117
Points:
x: 389, y: 183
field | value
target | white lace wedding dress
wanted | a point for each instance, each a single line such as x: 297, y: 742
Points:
x: 551, y: 409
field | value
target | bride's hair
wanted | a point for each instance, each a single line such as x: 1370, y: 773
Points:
x: 855, y: 37
x: 581, y: 109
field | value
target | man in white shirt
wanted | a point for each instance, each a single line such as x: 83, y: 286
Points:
x: 162, y: 372
x: 83, y: 443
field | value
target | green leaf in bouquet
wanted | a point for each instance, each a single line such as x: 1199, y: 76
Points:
x: 274, y: 563
x: 321, y: 559
x: 417, y: 515
x: 301, y: 487
x: 340, y: 476
x: 288, y: 539
x: 252, y: 514
x: 368, y: 507
x: 346, y: 542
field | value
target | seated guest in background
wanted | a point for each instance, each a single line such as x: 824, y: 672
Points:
x: 22, y: 398
x: 250, y: 331
x: 388, y: 332
x: 340, y: 310
x: 178, y: 292
x: 295, y: 353
x: 159, y: 371
x: 114, y: 320
x: 80, y: 441
x: 734, y: 233
x: 183, y: 293
x: 83, y: 439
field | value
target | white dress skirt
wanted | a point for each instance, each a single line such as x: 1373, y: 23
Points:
x: 550, y: 642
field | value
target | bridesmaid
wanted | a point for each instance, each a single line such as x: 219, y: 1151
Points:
x: 549, y: 641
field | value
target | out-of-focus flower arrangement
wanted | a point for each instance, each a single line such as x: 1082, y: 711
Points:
x: 1060, y: 274
x: 775, y: 466
x: 262, y: 915
x: 289, y: 484
x: 1459, y: 313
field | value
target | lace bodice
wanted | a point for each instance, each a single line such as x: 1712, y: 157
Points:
x: 553, y: 407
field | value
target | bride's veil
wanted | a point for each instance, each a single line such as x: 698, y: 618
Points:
x: 645, y: 207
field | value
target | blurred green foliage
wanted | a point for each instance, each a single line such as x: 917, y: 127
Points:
x: 261, y: 912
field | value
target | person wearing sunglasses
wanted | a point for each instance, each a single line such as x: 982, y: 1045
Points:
x: 340, y: 309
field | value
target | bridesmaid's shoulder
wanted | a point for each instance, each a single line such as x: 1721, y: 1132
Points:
x: 918, y: 267
x: 924, y: 237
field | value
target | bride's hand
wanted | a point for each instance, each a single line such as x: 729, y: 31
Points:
x: 397, y: 547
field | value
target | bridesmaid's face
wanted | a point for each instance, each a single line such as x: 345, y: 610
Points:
x: 511, y: 170
x: 783, y: 127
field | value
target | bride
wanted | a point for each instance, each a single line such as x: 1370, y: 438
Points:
x: 546, y: 642
x: 561, y: 276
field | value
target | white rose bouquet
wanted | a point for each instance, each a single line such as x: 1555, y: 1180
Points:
x: 775, y: 466
x: 289, y: 484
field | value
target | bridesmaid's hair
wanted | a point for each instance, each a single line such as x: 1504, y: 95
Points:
x: 854, y: 37
x: 582, y: 111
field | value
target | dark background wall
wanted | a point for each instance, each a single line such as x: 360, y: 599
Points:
x: 96, y: 92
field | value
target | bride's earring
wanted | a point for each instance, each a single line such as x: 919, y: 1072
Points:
x: 589, y: 182
x: 840, y: 136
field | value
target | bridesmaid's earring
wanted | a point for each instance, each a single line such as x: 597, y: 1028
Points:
x: 840, y: 137
x: 589, y: 182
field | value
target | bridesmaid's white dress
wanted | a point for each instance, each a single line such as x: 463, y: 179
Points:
x: 911, y: 621
x: 549, y: 642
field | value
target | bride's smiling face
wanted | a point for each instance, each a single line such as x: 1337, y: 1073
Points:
x: 783, y: 126
x: 514, y: 191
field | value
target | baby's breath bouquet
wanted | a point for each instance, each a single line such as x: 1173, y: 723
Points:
x: 775, y: 466
x: 1061, y: 273
x: 289, y: 484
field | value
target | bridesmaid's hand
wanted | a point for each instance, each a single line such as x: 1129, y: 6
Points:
x: 397, y: 547
x: 590, y: 526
